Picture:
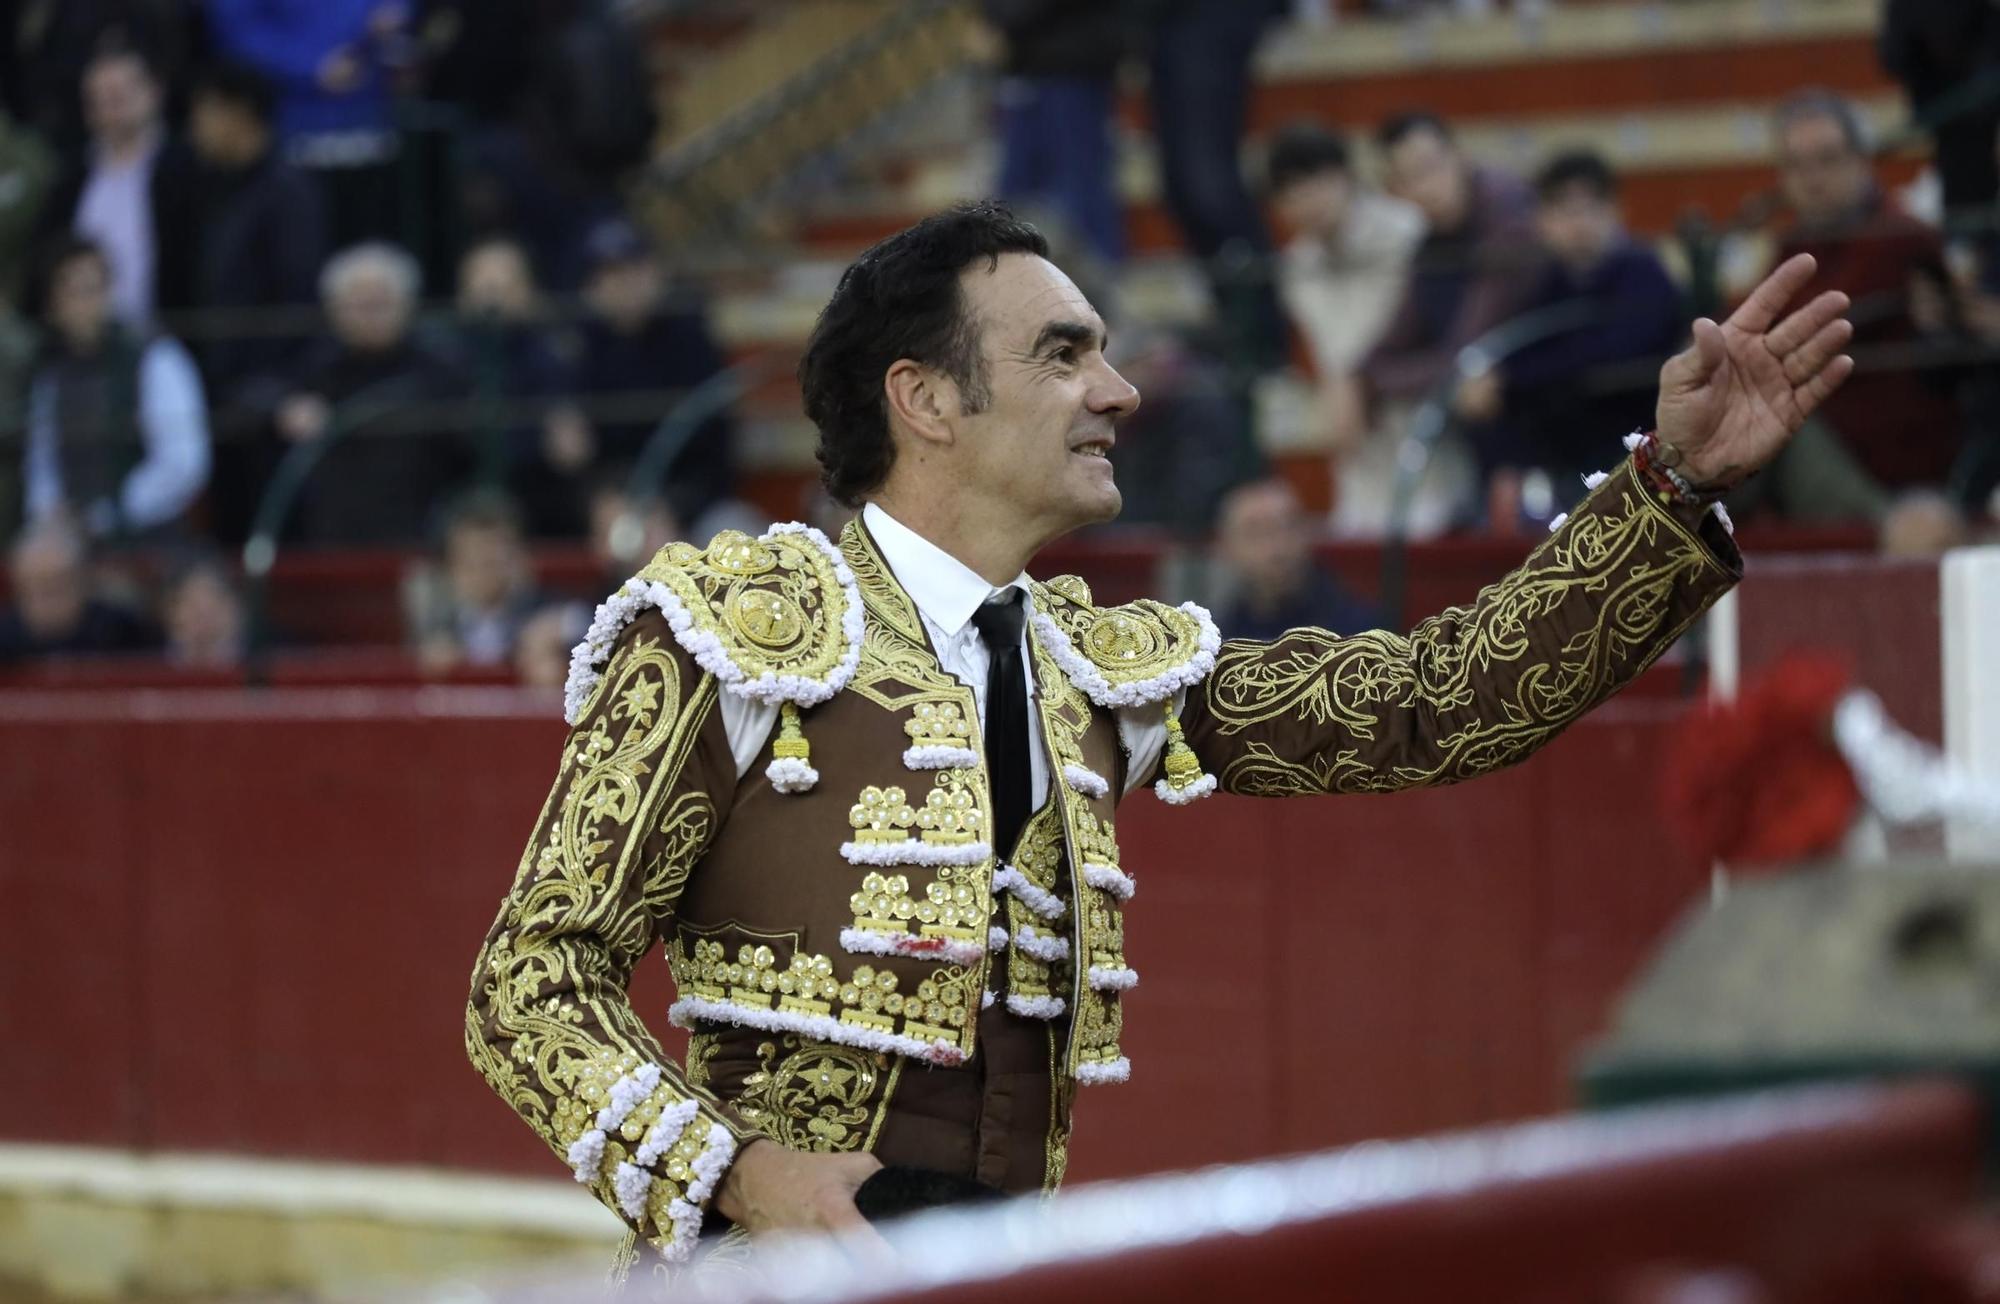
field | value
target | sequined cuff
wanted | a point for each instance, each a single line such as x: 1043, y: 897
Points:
x: 651, y: 1149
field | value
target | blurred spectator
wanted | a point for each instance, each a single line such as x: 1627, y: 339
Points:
x: 48, y: 43
x: 333, y: 63
x: 470, y: 610
x: 1564, y: 401
x: 1188, y: 442
x: 203, y: 614
x: 133, y: 192
x: 1264, y: 543
x: 625, y: 531
x: 117, y: 424
x: 564, y: 134
x: 262, y: 234
x: 509, y: 352
x: 1057, y: 91
x: 1923, y: 523
x: 1936, y: 47
x: 1342, y: 274
x: 542, y: 650
x: 1897, y: 420
x: 1477, y: 260
x: 54, y: 613
x: 370, y: 368
x: 28, y: 173
x: 1200, y: 93
x: 642, y: 351
x: 1475, y: 264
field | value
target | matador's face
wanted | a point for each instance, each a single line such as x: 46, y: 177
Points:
x: 1043, y: 437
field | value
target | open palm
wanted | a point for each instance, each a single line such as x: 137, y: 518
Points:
x: 1731, y: 399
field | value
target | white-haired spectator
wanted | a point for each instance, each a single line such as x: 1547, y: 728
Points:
x: 54, y: 611
x: 117, y: 424
x: 364, y: 379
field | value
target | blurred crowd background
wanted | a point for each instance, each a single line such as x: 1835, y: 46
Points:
x: 456, y: 310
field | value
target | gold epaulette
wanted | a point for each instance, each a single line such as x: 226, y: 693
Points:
x: 776, y: 619
x: 1128, y: 655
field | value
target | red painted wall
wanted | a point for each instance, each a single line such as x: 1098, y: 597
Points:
x: 247, y: 922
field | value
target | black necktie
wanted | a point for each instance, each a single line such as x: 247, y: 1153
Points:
x: 999, y: 623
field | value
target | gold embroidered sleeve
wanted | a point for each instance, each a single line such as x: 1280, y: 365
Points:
x: 636, y: 799
x: 1474, y: 688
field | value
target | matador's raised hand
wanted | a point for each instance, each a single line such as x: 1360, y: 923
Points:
x: 1730, y: 400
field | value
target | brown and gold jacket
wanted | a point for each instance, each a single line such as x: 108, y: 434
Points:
x: 842, y: 893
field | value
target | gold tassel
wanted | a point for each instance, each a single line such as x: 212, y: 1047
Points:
x: 1185, y: 781
x: 791, y: 755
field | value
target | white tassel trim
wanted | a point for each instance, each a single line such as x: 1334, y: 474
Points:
x: 986, y: 1000
x: 1109, y: 878
x: 1098, y: 1072
x: 622, y: 607
x: 790, y: 774
x: 1037, y: 1007
x: 1047, y: 949
x: 1558, y: 521
x: 684, y: 1012
x: 867, y: 941
x: 1086, y: 781
x: 626, y: 1095
x: 914, y: 851
x: 1186, y: 795
x: 932, y: 756
x: 1113, y: 980
x: 586, y: 1153
x: 996, y: 939
x: 666, y: 1132
x: 1085, y: 675
x: 685, y: 1213
x: 1595, y: 478
x: 1038, y: 899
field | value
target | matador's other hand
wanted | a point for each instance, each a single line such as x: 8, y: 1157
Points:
x: 1731, y: 400
x: 773, y: 1188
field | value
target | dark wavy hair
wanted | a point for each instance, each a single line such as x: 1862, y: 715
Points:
x: 901, y: 299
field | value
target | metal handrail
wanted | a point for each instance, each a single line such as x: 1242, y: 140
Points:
x: 671, y: 438
x: 1432, y: 421
x: 281, y: 495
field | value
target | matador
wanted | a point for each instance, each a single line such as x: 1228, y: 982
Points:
x: 863, y: 790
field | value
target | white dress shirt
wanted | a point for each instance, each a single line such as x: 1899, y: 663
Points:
x: 946, y: 592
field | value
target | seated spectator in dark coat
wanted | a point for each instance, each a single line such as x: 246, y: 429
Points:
x: 1264, y: 543
x: 468, y: 610
x: 508, y: 351
x: 261, y: 238
x: 117, y: 426
x: 393, y: 467
x: 203, y: 614
x: 334, y: 64
x: 262, y: 232
x: 1564, y: 402
x: 1900, y: 423
x: 643, y: 349
x: 1477, y: 258
x: 54, y: 613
